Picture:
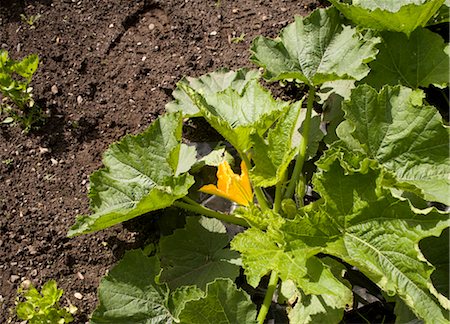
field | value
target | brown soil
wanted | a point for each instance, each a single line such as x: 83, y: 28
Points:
x: 107, y: 69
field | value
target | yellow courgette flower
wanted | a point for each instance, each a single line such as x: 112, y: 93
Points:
x: 230, y: 185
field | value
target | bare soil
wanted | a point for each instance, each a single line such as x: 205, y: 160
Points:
x: 107, y: 69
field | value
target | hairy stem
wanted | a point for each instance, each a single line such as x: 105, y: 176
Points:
x: 279, y: 193
x: 273, y: 281
x: 258, y: 192
x: 301, y: 156
x: 199, y: 209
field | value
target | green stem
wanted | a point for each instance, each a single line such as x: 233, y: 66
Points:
x: 258, y: 192
x: 273, y: 281
x: 279, y: 193
x: 301, y: 156
x: 199, y: 209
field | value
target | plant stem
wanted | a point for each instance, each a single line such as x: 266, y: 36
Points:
x: 301, y: 156
x: 199, y: 209
x: 273, y: 281
x: 258, y: 192
x: 279, y: 193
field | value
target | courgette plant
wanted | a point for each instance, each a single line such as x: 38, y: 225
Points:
x: 364, y: 139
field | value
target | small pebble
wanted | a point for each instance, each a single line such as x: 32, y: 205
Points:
x: 26, y: 284
x: 54, y: 89
x: 77, y: 295
x: 34, y: 273
x: 54, y: 162
x: 111, y: 26
x: 79, y: 100
x: 80, y: 276
x: 213, y: 33
x: 151, y: 26
x: 43, y: 150
x: 14, y: 278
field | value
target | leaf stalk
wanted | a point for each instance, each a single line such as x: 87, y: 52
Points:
x: 301, y: 156
x: 199, y: 209
x: 273, y: 281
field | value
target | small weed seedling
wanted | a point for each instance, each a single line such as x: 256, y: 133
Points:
x: 17, y: 103
x: 43, y: 307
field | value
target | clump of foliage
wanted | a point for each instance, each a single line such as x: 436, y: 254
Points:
x: 17, y: 103
x: 375, y: 152
x: 43, y: 307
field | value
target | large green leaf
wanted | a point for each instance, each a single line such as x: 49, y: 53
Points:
x: 129, y: 293
x: 272, y: 155
x: 316, y: 49
x: 197, y: 254
x: 405, y: 137
x: 400, y: 16
x: 222, y: 303
x: 237, y: 115
x: 358, y: 221
x: 261, y: 254
x: 208, y: 84
x: 427, y: 61
x: 139, y: 177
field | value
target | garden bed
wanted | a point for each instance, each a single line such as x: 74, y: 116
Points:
x: 107, y: 69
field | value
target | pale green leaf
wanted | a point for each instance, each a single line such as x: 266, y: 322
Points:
x: 317, y: 308
x: 261, y: 254
x: 214, y: 158
x: 181, y: 296
x: 405, y: 137
x: 400, y: 16
x: 316, y: 49
x: 237, y: 115
x: 361, y: 223
x: 188, y: 157
x: 223, y: 303
x: 272, y: 156
x: 129, y: 293
x: 427, y: 61
x: 208, y: 84
x: 139, y: 177
x: 197, y: 254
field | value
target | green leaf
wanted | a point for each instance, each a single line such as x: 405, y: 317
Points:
x: 399, y: 16
x: 206, y: 85
x: 27, y: 66
x: 237, y: 115
x: 405, y: 137
x: 261, y: 254
x: 272, y: 156
x: 222, y: 303
x: 427, y: 61
x: 316, y: 308
x: 214, y: 158
x: 139, y: 177
x: 188, y: 157
x: 442, y: 16
x: 316, y: 49
x: 129, y: 293
x: 197, y: 254
x: 181, y: 296
x: 361, y: 223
